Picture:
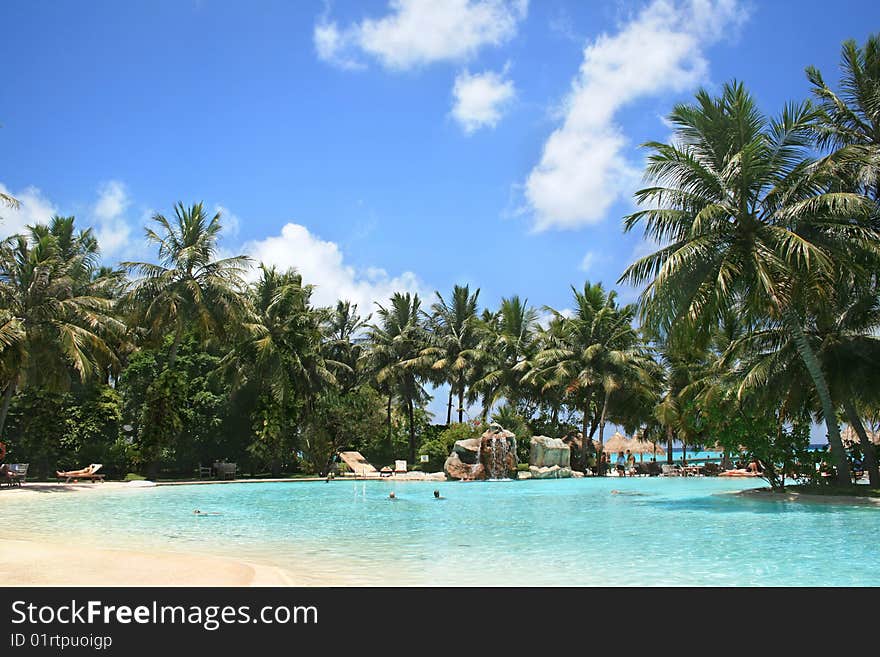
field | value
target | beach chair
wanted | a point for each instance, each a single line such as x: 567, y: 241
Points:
x: 226, y: 470
x: 89, y: 473
x: 670, y: 470
x: 205, y: 471
x: 8, y: 478
x: 400, y: 467
x: 19, y: 473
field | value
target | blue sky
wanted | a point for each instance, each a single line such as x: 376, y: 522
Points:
x: 383, y: 145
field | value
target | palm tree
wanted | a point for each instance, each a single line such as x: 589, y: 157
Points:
x: 849, y: 121
x: 10, y: 201
x: 595, y: 352
x: 397, y: 342
x: 189, y: 289
x: 456, y: 340
x: 280, y: 353
x: 507, y: 346
x: 54, y: 324
x: 344, y: 341
x: 843, y: 333
x: 748, y: 222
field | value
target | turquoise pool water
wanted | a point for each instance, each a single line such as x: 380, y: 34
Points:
x: 653, y: 531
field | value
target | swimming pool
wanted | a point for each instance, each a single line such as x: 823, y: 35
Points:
x: 597, y: 531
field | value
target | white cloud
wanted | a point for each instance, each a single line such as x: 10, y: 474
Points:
x: 230, y: 222
x: 588, y: 261
x: 584, y: 166
x: 111, y: 225
x: 419, y: 32
x: 322, y: 264
x: 34, y: 208
x: 480, y: 99
x: 546, y: 316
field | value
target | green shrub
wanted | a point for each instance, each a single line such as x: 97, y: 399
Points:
x: 459, y: 431
x: 131, y: 476
x: 436, y: 450
x: 522, y: 467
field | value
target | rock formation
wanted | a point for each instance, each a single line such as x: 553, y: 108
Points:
x: 549, y: 458
x: 491, y: 456
x: 547, y: 452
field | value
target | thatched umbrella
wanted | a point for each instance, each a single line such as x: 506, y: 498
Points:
x: 642, y: 447
x: 850, y: 437
x: 617, y: 443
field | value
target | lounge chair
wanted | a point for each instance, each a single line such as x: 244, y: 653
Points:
x: 358, y: 465
x: 670, y: 470
x: 89, y: 473
x: 19, y: 473
x: 226, y: 470
x: 400, y: 467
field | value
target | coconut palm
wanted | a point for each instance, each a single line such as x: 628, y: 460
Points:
x: 849, y: 121
x: 456, y: 339
x: 747, y: 221
x: 397, y: 342
x: 10, y: 201
x: 843, y: 333
x: 280, y: 355
x: 189, y: 290
x: 506, y: 347
x: 541, y: 379
x: 595, y: 353
x: 54, y: 324
x: 344, y: 341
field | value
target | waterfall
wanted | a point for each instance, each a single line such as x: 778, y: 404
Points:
x: 498, y: 458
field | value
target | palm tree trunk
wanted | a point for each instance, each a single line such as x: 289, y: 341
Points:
x: 811, y: 362
x: 669, y: 444
x: 388, y: 420
x: 460, y: 404
x: 172, y: 354
x: 584, y: 432
x: 7, y: 400
x: 412, y: 432
x: 867, y: 446
x: 602, y: 423
x: 449, y: 408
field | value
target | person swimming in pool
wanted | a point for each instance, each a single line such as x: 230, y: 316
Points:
x: 392, y: 496
x: 197, y: 512
x: 438, y: 496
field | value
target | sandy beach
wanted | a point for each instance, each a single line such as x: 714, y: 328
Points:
x: 53, y: 563
x: 28, y: 563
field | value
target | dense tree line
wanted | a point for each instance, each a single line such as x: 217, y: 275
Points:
x: 760, y: 314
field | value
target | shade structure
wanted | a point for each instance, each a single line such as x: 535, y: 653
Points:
x: 850, y: 437
x: 617, y: 443
x: 644, y: 447
x: 620, y: 443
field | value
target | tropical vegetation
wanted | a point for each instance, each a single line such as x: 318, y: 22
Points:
x: 759, y: 315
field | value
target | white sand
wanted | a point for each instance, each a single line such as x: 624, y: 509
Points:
x: 29, y: 563
x: 52, y: 562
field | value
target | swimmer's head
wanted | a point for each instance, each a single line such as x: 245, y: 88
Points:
x: 391, y: 496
